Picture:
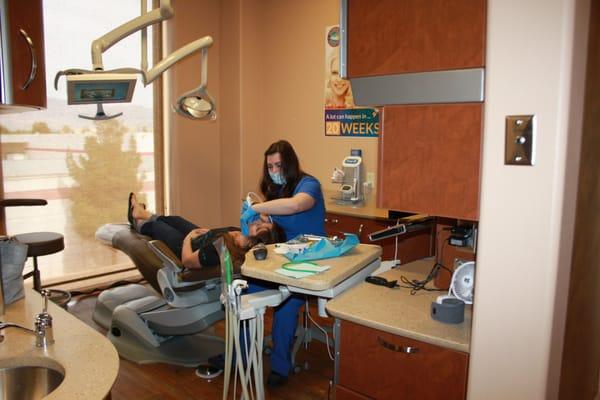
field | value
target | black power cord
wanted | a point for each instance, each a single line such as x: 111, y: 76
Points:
x: 415, y: 285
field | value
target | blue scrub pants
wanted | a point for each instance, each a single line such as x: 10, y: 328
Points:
x: 285, y: 321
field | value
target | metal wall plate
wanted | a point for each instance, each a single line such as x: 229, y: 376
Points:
x: 520, y: 140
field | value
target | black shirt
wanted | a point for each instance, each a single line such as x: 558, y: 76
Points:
x: 208, y: 254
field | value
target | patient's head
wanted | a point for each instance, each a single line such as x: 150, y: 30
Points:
x: 268, y: 232
x: 260, y: 232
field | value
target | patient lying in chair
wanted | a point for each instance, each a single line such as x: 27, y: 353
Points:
x: 192, y: 244
x: 172, y: 327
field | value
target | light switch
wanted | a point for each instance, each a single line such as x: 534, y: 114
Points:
x: 519, y: 146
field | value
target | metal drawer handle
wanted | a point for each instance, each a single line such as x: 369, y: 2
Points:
x: 397, y: 348
x: 333, y: 220
x: 360, y: 229
x: 33, y: 70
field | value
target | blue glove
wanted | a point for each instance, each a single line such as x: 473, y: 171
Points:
x: 248, y: 217
x: 245, y: 206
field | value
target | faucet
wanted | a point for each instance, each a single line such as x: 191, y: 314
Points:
x: 44, y: 335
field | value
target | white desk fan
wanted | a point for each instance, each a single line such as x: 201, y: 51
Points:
x: 462, y: 283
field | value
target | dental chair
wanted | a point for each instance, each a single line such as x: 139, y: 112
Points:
x: 170, y: 322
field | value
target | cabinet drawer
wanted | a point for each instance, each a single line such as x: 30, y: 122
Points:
x: 386, y: 366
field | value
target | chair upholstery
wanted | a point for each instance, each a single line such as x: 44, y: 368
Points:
x: 41, y: 243
x: 138, y: 248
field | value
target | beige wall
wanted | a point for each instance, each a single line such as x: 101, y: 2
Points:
x: 195, y: 146
x: 283, y: 45
x: 266, y: 71
x: 527, y: 213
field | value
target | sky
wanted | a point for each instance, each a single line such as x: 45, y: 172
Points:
x: 70, y: 26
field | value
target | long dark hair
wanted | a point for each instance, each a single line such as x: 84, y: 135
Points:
x: 290, y: 169
x: 238, y: 253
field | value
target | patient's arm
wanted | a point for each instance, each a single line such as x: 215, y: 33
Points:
x: 189, y: 258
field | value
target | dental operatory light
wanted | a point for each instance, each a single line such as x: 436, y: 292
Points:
x: 116, y: 86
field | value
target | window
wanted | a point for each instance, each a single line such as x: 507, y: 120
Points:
x: 85, y: 169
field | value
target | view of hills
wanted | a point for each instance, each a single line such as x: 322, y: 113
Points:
x: 58, y: 114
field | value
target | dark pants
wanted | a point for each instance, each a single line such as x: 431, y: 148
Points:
x: 171, y: 230
x: 283, y: 330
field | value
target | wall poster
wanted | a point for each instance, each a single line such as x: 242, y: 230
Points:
x: 342, y: 117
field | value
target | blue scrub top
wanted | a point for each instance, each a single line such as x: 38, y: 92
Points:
x: 311, y: 221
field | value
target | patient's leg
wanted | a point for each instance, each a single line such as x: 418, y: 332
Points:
x: 171, y: 230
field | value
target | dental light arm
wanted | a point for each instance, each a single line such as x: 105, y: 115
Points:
x: 117, y: 86
x: 103, y: 43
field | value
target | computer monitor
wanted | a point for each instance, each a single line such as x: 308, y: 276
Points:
x: 100, y: 88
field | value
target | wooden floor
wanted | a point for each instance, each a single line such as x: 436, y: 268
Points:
x: 163, y: 381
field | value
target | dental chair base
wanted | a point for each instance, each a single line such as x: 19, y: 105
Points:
x: 145, y: 329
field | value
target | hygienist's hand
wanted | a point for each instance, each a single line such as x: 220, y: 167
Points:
x: 248, y: 217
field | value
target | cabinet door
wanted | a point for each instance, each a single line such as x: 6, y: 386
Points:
x: 400, y: 36
x: 429, y: 158
x: 343, y: 393
x: 386, y: 366
x: 26, y: 32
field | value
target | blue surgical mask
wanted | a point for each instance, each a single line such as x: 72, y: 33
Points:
x: 277, y: 178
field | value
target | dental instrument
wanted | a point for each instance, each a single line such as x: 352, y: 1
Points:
x: 244, y: 329
x: 98, y: 86
x: 248, y: 215
x: 424, y: 222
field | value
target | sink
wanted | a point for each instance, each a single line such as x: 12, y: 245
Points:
x: 29, y: 382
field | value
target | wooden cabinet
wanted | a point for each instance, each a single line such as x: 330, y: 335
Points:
x: 429, y: 158
x: 343, y: 393
x: 394, y: 37
x: 380, y: 365
x: 430, y: 144
x: 411, y: 246
x: 23, y: 84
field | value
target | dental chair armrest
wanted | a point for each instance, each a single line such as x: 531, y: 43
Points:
x: 22, y: 202
x: 166, y: 255
x: 200, y: 274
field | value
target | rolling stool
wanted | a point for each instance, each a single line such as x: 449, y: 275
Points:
x: 40, y: 244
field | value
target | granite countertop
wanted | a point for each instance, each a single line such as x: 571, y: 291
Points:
x: 366, y: 210
x: 398, y: 312
x: 88, y: 359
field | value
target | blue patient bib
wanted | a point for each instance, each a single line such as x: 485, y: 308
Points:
x: 324, y: 248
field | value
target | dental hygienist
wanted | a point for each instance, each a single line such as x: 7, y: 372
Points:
x: 294, y: 200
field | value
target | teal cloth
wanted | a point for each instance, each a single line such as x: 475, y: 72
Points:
x: 324, y: 248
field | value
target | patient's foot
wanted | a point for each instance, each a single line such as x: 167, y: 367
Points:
x: 138, y: 211
x: 274, y: 379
